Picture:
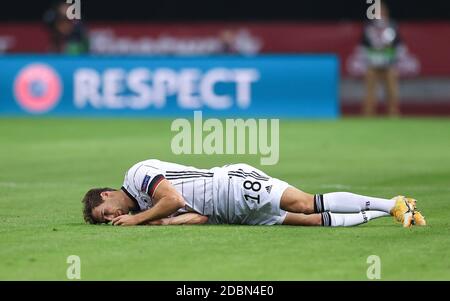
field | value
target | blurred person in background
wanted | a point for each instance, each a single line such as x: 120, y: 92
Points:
x: 382, y: 47
x: 66, y: 36
x: 227, y: 38
x: 239, y: 41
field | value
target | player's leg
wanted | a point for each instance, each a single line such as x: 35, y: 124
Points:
x: 297, y: 201
x: 391, y: 82
x: 346, y: 202
x: 329, y: 219
x: 370, y: 101
x: 268, y: 196
x: 300, y: 219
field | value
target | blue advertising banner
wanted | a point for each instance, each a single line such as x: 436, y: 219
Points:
x: 291, y: 86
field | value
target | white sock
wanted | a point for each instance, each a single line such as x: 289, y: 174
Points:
x: 350, y: 219
x: 373, y: 214
x: 345, y: 202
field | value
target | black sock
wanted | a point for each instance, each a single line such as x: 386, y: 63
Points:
x: 318, y: 203
x: 326, y: 219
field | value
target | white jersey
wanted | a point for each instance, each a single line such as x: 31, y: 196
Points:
x: 233, y: 194
x: 195, y: 185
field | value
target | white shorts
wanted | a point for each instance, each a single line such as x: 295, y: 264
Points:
x: 246, y: 195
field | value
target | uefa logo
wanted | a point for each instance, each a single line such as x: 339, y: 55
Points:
x: 37, y: 88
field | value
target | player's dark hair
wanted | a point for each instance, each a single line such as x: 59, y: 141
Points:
x: 91, y: 200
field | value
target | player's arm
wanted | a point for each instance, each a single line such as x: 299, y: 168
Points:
x: 182, y: 219
x: 167, y: 200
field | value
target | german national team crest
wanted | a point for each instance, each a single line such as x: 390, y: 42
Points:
x: 37, y: 88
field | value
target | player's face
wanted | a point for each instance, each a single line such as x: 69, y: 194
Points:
x: 109, y: 209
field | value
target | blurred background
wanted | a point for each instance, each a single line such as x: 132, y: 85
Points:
x: 396, y: 66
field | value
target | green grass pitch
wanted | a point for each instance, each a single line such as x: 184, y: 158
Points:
x: 46, y: 165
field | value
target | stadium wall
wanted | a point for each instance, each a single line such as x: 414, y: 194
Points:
x: 426, y: 41
x: 425, y: 72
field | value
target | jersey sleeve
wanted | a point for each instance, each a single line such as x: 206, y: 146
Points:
x: 144, y: 178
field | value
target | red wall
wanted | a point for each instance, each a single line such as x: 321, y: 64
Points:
x: 429, y: 42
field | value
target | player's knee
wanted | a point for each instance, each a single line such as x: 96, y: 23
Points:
x: 304, y: 206
x: 297, y: 206
x: 294, y: 200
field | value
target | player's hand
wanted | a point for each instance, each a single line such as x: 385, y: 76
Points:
x: 125, y: 220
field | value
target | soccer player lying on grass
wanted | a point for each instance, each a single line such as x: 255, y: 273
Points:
x: 162, y: 193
